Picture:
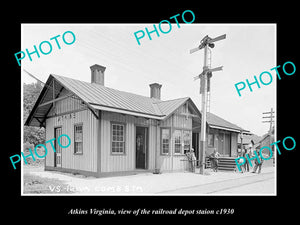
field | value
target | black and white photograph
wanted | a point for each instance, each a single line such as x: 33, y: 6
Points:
x: 172, y: 115
x: 137, y: 112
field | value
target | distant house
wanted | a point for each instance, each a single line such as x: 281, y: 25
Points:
x: 116, y: 132
x: 267, y: 140
x: 247, y: 137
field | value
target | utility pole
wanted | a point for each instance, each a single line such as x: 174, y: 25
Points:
x: 271, y: 136
x: 205, y: 43
x: 271, y: 121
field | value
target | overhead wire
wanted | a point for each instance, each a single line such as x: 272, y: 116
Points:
x: 148, y: 55
x: 90, y: 44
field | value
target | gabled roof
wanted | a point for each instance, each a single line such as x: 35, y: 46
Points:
x: 99, y: 97
x: 168, y: 107
x: 215, y: 121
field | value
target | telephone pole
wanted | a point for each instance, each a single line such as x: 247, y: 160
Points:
x: 271, y: 116
x: 205, y: 43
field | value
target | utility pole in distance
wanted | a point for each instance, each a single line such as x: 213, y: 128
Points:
x: 205, y: 43
x: 271, y: 116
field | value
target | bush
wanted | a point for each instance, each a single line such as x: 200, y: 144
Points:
x: 26, y: 146
x: 40, y: 151
x: 34, y: 135
x: 31, y: 92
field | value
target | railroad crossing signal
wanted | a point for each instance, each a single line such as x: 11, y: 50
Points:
x: 204, y: 87
x: 208, y: 41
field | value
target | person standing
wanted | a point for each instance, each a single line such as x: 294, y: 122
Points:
x: 241, y: 154
x: 250, y: 151
x: 246, y: 165
x: 214, y: 159
x: 191, y: 159
x: 258, y: 164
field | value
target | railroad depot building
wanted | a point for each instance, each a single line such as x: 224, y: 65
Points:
x: 114, y: 132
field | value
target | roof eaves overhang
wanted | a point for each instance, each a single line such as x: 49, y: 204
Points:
x: 40, y: 99
x: 228, y: 128
x: 193, y: 105
x: 85, y: 102
x: 37, y: 103
x: 127, y: 112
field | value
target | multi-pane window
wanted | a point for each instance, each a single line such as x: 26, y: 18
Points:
x: 165, y: 140
x: 78, y: 140
x: 186, y: 140
x: 177, y: 141
x: 118, y: 138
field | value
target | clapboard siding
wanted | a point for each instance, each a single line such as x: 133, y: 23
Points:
x: 179, y: 164
x: 174, y: 162
x: 49, y: 160
x: 124, y: 162
x: 67, y: 105
x: 165, y: 163
x: 68, y: 112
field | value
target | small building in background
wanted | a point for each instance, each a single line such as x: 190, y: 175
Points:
x: 266, y: 140
x: 247, y: 137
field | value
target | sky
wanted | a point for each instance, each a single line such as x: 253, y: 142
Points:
x: 247, y: 51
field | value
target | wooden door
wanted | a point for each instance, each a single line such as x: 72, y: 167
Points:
x: 220, y: 148
x: 57, y: 154
x: 227, y: 144
x: 141, y: 147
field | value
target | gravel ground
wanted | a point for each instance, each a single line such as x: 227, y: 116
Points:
x: 139, y: 184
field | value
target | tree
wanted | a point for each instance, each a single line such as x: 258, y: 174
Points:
x: 33, y: 135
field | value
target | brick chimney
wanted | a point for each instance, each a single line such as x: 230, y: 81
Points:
x: 155, y: 90
x: 97, y: 74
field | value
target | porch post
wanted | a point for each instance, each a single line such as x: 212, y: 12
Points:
x: 157, y: 147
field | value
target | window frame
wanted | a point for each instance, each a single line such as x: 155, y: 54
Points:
x: 183, y: 140
x: 161, y: 140
x: 112, y: 141
x: 181, y: 147
x: 77, y: 125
